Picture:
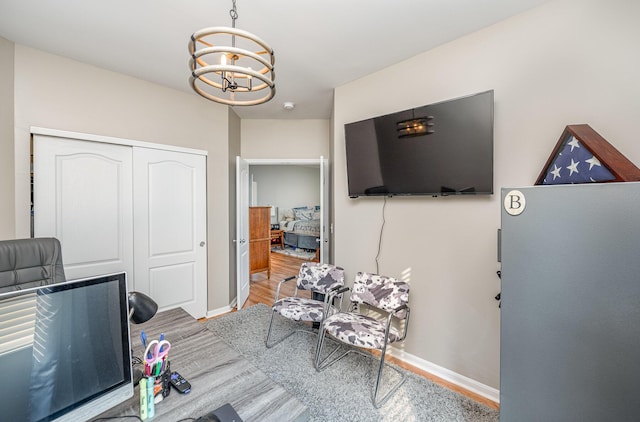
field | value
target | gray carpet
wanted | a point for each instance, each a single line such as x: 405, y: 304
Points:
x: 343, y: 391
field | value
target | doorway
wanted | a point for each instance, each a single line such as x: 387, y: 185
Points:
x: 268, y: 182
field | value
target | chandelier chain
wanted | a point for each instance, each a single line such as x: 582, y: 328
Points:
x: 234, y: 14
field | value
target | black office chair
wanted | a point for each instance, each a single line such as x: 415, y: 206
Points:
x: 26, y: 263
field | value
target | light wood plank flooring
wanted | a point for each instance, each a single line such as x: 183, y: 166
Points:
x: 263, y: 290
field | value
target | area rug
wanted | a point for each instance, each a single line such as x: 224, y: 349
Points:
x: 296, y: 253
x: 342, y: 392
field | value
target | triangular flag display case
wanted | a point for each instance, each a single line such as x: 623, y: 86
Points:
x: 583, y: 156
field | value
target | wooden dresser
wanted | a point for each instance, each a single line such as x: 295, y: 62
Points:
x: 260, y: 240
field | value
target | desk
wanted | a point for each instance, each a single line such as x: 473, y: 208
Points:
x: 217, y: 373
x: 278, y: 234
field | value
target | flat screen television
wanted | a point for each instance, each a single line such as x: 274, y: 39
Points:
x: 444, y: 148
x: 65, y: 350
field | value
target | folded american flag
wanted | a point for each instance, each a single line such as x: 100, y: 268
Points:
x: 576, y: 164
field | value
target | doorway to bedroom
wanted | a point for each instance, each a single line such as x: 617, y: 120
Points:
x: 293, y: 193
x: 296, y: 193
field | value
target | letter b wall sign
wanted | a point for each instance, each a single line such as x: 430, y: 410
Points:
x: 514, y: 202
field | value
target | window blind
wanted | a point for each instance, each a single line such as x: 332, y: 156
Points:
x: 17, y: 322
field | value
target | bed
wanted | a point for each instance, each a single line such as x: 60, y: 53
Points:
x: 301, y: 227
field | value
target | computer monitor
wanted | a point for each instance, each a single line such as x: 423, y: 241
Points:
x: 65, y: 350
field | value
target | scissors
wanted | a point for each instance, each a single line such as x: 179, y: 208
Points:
x: 155, y: 355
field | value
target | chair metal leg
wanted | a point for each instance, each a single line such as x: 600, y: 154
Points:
x: 328, y: 361
x: 379, y: 403
x: 380, y: 368
x: 270, y: 345
x: 318, y: 346
x: 266, y: 342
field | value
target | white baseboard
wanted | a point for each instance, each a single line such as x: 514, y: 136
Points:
x: 467, y: 383
x: 225, y: 309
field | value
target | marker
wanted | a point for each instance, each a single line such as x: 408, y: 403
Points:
x: 151, y: 410
x: 143, y: 398
x: 143, y: 338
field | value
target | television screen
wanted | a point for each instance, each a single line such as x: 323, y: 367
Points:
x: 438, y: 149
x: 65, y: 350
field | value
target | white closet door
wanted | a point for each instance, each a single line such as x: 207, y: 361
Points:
x: 82, y: 196
x: 170, y: 228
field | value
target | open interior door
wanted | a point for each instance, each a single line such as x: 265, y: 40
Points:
x: 324, y: 210
x: 242, y: 231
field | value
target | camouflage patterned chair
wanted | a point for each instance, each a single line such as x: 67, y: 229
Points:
x: 369, y: 330
x: 325, y: 280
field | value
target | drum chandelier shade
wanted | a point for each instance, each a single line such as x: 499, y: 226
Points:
x: 240, y: 74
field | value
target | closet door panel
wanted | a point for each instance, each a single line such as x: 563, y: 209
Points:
x: 82, y: 196
x: 170, y: 230
x: 171, y: 191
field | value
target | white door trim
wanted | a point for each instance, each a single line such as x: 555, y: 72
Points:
x: 324, y: 210
x: 111, y: 140
x: 284, y: 161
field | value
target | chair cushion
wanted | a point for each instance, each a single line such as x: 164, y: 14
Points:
x: 359, y: 330
x: 383, y: 292
x: 301, y: 309
x: 320, y: 277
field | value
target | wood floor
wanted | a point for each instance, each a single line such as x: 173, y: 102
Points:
x: 263, y: 290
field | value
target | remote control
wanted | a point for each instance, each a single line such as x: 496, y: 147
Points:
x: 179, y: 383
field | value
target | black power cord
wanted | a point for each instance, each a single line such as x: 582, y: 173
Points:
x: 384, y: 205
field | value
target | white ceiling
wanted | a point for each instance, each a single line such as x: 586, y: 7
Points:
x: 318, y: 45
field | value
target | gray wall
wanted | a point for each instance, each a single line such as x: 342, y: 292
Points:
x: 7, y: 169
x: 88, y: 99
x: 565, y: 62
x: 287, y: 186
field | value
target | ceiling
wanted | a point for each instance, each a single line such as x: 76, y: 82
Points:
x: 319, y: 45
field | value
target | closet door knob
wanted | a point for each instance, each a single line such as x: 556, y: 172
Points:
x: 202, y: 244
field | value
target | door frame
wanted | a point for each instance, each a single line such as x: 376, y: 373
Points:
x: 321, y: 162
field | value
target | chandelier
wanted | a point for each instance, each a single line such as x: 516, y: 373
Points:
x: 415, y: 126
x: 224, y: 74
